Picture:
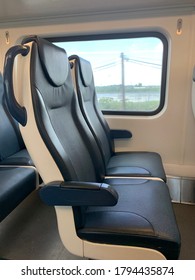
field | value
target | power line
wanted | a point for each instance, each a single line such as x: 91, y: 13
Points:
x: 154, y: 65
x: 136, y: 61
x: 106, y: 66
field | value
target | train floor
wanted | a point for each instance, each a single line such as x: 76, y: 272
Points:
x: 30, y: 232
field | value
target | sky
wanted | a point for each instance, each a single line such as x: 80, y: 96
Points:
x: 142, y: 59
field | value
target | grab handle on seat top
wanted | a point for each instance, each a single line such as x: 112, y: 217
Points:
x: 18, y: 112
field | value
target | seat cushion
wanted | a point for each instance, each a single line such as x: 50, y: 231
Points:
x: 136, y: 164
x: 16, y: 184
x: 142, y: 217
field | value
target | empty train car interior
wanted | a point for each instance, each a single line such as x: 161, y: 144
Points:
x: 97, y: 120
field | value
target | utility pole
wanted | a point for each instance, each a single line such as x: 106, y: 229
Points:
x: 123, y: 80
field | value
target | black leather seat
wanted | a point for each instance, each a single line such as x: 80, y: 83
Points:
x: 18, y: 176
x: 117, y: 163
x: 97, y: 218
x: 12, y: 148
x: 16, y: 183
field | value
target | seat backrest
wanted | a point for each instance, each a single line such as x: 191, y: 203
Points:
x: 57, y: 119
x: 85, y: 88
x: 10, y: 138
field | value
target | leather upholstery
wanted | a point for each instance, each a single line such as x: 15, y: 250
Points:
x: 16, y: 184
x: 116, y: 164
x: 55, y: 73
x: 12, y: 147
x: 67, y: 136
x: 134, y: 212
x: 143, y: 216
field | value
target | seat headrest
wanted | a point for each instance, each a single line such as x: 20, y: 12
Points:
x: 53, y: 59
x: 85, y: 71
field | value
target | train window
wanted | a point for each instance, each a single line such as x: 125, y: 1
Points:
x: 129, y: 69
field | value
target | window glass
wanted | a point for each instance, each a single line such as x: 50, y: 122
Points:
x: 129, y: 72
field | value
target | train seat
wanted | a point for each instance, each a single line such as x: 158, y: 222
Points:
x: 117, y: 163
x: 18, y: 176
x: 12, y: 148
x: 16, y: 184
x: 126, y: 219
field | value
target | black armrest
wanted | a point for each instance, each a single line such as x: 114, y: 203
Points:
x: 120, y: 134
x: 78, y: 194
